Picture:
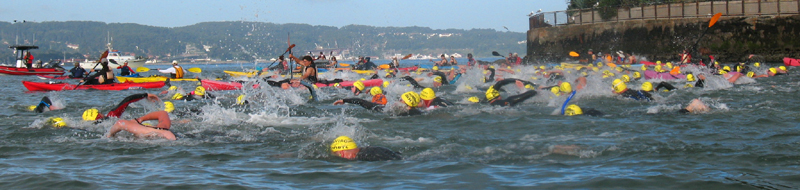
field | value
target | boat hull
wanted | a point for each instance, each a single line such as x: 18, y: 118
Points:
x: 44, y: 86
x: 25, y: 71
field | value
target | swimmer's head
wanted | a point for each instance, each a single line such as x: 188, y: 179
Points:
x: 690, y: 78
x: 168, y: 106
x: 90, y: 114
x: 647, y: 86
x: 619, y: 86
x: 343, y: 143
x: 56, y: 122
x: 473, y: 99
x: 427, y: 94
x: 565, y: 87
x: 375, y: 91
x: 572, y: 110
x: 411, y: 98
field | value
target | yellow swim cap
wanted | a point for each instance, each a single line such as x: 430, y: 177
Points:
x: 722, y: 72
x: 757, y: 64
x: 647, y: 86
x: 783, y: 68
x: 359, y: 85
x: 658, y: 62
x: 572, y: 110
x: 240, y: 100
x: 362, y: 79
x: 658, y: 68
x: 690, y: 77
x: 177, y: 96
x: 599, y: 64
x: 343, y: 143
x: 619, y: 69
x: 473, y: 99
x: 427, y: 94
x: 485, y: 71
x: 491, y: 66
x: 410, y: 98
x: 437, y: 79
x: 90, y: 114
x: 644, y: 68
x: 200, y: 91
x: 637, y: 75
x: 375, y: 91
x: 751, y: 74
x: 173, y: 88
x: 595, y: 69
x: 508, y: 67
x: 584, y: 74
x: 385, y: 84
x: 57, y: 122
x: 619, y: 86
x: 468, y: 87
x: 491, y: 93
x: 529, y: 86
x: 773, y: 70
x: 388, y: 74
x: 31, y: 107
x: 315, y: 86
x: 435, y: 68
x: 555, y: 91
x: 541, y: 67
x: 626, y: 78
x: 688, y: 85
x: 669, y: 65
x: 168, y: 106
x: 565, y: 87
x: 726, y: 68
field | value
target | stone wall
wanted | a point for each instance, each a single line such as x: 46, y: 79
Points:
x: 731, y: 39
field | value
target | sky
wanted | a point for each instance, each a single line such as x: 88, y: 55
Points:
x: 436, y: 14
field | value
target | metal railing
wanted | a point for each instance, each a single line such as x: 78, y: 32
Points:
x: 678, y: 10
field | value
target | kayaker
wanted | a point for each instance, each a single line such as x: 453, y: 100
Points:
x: 441, y: 62
x: 175, y: 72
x: 77, y: 71
x: 368, y: 65
x: 321, y: 56
x: 104, y: 76
x: 470, y: 60
x: 453, y: 60
x: 140, y: 130
x: 126, y: 70
x: 309, y: 70
x: 345, y: 147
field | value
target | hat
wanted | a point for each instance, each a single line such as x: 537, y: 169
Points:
x: 174, y: 62
x: 343, y: 143
x: 410, y: 98
x: 90, y: 114
x: 168, y: 106
x: 427, y: 94
x: 375, y: 91
x: 572, y: 110
x: 359, y: 85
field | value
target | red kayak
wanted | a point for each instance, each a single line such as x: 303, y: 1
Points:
x: 56, y: 77
x: 791, y: 62
x: 371, y: 82
x: 44, y: 86
x: 33, y: 71
x: 212, y: 85
x: 414, y: 68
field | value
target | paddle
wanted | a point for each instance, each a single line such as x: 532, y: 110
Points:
x: 497, y: 54
x: 574, y: 54
x: 406, y: 57
x: 142, y: 69
x: 284, y: 53
x: 713, y: 21
x: 103, y: 56
x: 344, y: 64
x: 195, y: 70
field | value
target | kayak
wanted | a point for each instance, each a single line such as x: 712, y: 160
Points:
x: 648, y: 74
x: 56, y: 77
x: 150, y: 79
x: 414, y: 68
x: 371, y: 82
x: 791, y: 62
x: 45, y: 86
x: 253, y: 74
x: 131, y: 75
x: 446, y: 68
x: 33, y: 71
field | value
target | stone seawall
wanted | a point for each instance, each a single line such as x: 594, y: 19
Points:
x: 731, y: 39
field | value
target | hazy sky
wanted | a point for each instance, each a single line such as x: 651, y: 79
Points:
x: 436, y: 14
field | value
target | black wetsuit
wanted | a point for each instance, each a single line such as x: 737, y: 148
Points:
x: 638, y: 95
x: 700, y: 83
x: 413, y: 82
x: 92, y: 79
x: 378, y: 107
x: 513, y: 100
x: 666, y: 85
x: 504, y: 82
x: 593, y: 112
x: 45, y: 103
x: 444, y: 77
x: 491, y: 75
x: 374, y: 153
x: 438, y: 101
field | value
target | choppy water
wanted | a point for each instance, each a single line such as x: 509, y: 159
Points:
x: 749, y: 141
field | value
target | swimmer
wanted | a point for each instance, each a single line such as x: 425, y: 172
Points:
x: 622, y: 89
x: 140, y: 130
x: 410, y: 99
x: 377, y: 97
x: 345, y: 147
x: 573, y: 110
x: 44, y: 103
x: 696, y: 106
x: 430, y: 101
x: 493, y: 95
x: 93, y: 114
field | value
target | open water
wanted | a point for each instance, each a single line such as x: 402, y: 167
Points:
x: 281, y: 140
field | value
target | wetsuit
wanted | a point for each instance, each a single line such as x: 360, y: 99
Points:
x: 378, y: 107
x: 413, y: 82
x: 77, y: 72
x: 120, y: 108
x: 637, y: 95
x: 504, y: 82
x: 44, y: 103
x: 102, y: 73
x: 491, y: 75
x: 513, y: 100
x: 444, y: 77
x: 374, y: 153
x: 700, y: 83
x: 666, y: 85
x: 280, y: 82
x: 438, y: 102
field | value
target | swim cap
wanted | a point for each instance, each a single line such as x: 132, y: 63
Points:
x: 626, y: 78
x: 690, y: 77
x: 57, y: 122
x: 168, y: 106
x: 783, y: 68
x: 359, y: 85
x: 508, y: 67
x: 491, y: 66
x: 637, y: 75
x: 619, y: 69
x: 410, y: 98
x: 688, y: 85
x: 385, y: 84
x: 565, y: 87
x: 173, y: 88
x: 595, y: 69
x: 437, y: 79
x: 468, y: 87
x: 388, y: 74
x: 343, y: 143
x: 177, y: 96
x: 375, y: 91
x: 541, y: 67
x: 619, y: 86
x: 757, y: 64
x: 427, y: 94
x: 773, y: 70
x: 435, y: 68
x: 726, y: 68
x: 473, y: 99
x: 491, y: 93
x: 599, y: 64
x: 529, y: 86
x: 658, y: 68
x: 584, y: 74
x: 362, y: 79
x: 722, y: 72
x: 669, y: 65
x: 336, y: 84
x: 90, y: 114
x: 240, y: 100
x: 644, y: 68
x: 751, y: 74
x: 31, y: 107
x: 315, y: 86
x: 647, y: 86
x: 658, y: 62
x: 485, y: 71
x: 716, y: 63
x: 200, y: 91
x: 572, y: 110
x: 555, y: 91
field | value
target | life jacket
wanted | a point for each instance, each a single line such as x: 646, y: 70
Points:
x: 178, y: 71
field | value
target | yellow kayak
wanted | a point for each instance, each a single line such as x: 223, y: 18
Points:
x: 149, y: 79
x: 253, y: 74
